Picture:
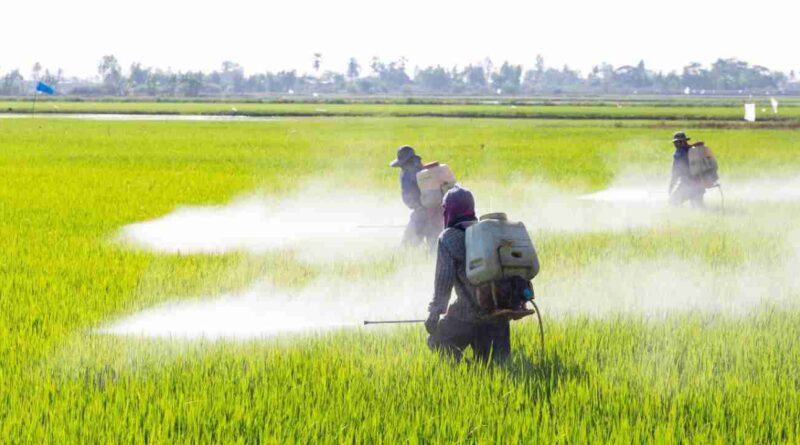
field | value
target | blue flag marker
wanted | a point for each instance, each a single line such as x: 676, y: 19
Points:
x: 41, y: 87
x: 45, y: 88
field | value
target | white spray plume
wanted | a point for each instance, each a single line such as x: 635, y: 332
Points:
x: 669, y: 285
x: 639, y: 191
x: 330, y: 227
x: 263, y: 310
x: 325, y: 226
x: 652, y: 288
x: 318, y: 225
x: 546, y: 209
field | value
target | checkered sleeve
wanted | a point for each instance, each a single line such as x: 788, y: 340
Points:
x: 445, y: 277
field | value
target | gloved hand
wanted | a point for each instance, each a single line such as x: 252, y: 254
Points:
x: 432, y: 323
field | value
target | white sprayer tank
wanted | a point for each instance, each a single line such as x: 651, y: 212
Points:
x: 498, y: 248
x: 434, y: 180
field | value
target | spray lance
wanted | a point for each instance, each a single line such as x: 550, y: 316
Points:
x: 527, y: 296
x: 366, y: 322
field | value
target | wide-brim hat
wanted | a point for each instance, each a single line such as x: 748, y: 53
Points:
x: 404, y: 154
x: 680, y: 136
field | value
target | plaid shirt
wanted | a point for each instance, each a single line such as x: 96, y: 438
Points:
x: 451, y: 272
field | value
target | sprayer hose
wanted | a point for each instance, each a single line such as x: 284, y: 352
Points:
x: 541, y: 327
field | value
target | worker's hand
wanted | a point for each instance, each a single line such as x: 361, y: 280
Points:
x: 432, y: 323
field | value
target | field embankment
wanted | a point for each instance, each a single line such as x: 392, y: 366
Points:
x: 665, y: 110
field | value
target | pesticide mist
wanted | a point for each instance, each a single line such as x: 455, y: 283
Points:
x: 318, y: 225
x: 324, y: 228
x: 263, y: 310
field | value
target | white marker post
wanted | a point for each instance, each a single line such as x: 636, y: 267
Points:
x: 750, y: 112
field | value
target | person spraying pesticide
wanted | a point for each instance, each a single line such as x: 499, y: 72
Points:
x: 422, y: 188
x: 694, y: 170
x: 490, y: 264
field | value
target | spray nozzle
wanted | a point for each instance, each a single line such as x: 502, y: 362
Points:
x: 528, y: 294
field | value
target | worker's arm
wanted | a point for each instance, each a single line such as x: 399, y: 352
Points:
x: 677, y: 172
x: 410, y: 189
x: 672, y: 182
x: 444, y: 280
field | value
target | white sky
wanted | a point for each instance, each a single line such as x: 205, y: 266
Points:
x: 266, y: 35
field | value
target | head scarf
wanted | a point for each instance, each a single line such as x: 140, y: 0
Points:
x: 459, y: 206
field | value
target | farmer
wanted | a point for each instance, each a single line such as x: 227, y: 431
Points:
x: 425, y: 224
x: 688, y: 188
x: 462, y: 326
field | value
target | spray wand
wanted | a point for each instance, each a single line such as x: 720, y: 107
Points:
x: 366, y: 322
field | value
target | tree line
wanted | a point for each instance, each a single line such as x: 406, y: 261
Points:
x: 725, y: 76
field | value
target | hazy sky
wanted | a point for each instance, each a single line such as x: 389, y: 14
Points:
x: 265, y: 35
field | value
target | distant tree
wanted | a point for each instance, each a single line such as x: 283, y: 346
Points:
x: 382, y: 77
x: 12, y: 84
x: 672, y: 82
x: 665, y: 83
x: 734, y: 74
x: 214, y: 78
x: 488, y: 67
x: 392, y: 76
x: 231, y: 77
x: 111, y: 75
x: 151, y: 85
x: 52, y: 79
x: 353, y: 69
x: 475, y: 78
x: 696, y: 77
x: 367, y: 85
x: 376, y: 65
x: 138, y: 76
x: 317, y: 62
x: 332, y: 82
x: 607, y: 76
x: 282, y: 81
x: 435, y: 79
x: 642, y: 76
x: 727, y: 74
x: 190, y: 84
x: 632, y: 77
x: 163, y: 82
x: 594, y: 79
x: 540, y: 65
x: 507, y: 79
x: 36, y: 71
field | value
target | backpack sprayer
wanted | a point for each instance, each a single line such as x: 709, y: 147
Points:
x: 501, y: 261
x: 703, y: 165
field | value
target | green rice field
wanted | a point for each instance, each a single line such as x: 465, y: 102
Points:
x: 681, y: 328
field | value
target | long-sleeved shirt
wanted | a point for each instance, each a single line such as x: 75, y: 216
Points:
x: 451, y: 272
x: 680, y: 163
x: 409, y: 187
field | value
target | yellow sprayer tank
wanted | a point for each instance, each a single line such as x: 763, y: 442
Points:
x: 703, y: 164
x: 498, y: 248
x: 434, y: 180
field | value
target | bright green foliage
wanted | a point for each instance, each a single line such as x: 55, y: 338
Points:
x: 67, y: 186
